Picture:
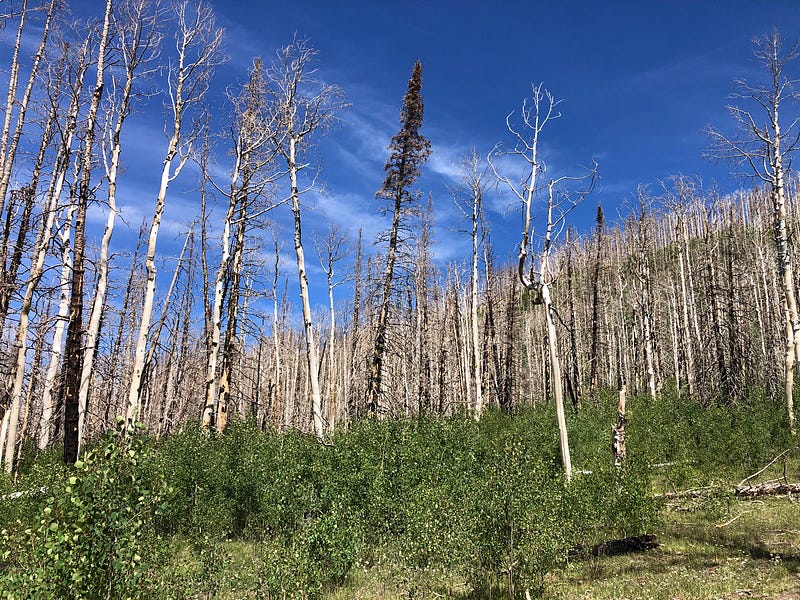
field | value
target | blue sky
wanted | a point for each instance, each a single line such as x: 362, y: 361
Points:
x: 640, y: 80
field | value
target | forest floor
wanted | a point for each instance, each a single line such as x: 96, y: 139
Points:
x: 749, y: 550
x: 712, y: 547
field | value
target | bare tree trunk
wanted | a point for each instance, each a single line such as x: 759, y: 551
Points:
x: 198, y: 45
x: 18, y: 371
x: 555, y: 369
x: 56, y: 351
x: 761, y: 149
x: 308, y: 325
x: 785, y: 272
x: 8, y: 150
x: 535, y: 275
x: 618, y: 446
x: 276, y: 398
x: 596, y: 267
x: 298, y: 113
x: 353, y: 409
x: 74, y: 345
x: 54, y: 193
x: 138, y: 35
x: 686, y: 300
x: 716, y: 314
x: 331, y: 251
x: 574, y: 378
x: 228, y: 348
x: 212, y: 381
x: 13, y: 82
x: 643, y: 275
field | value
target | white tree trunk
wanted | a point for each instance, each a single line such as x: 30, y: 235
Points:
x: 331, y: 355
x: 135, y: 391
x: 57, y: 348
x: 477, y: 355
x: 558, y: 388
x: 21, y: 342
x: 212, y: 381
x: 308, y: 326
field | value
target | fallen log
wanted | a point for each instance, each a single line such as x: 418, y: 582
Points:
x: 23, y: 493
x: 684, y: 494
x: 766, y: 489
x: 628, y: 545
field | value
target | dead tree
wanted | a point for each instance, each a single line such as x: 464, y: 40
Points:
x: 409, y: 150
x: 332, y: 249
x: 470, y: 202
x: 137, y: 25
x: 198, y: 51
x: 300, y: 107
x: 248, y: 198
x: 73, y: 349
x: 534, y: 268
x: 764, y: 145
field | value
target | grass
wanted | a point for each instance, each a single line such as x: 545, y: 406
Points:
x: 751, y: 552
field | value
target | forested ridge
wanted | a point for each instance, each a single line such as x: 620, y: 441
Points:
x: 678, y: 295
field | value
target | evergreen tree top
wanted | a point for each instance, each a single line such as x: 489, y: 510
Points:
x: 409, y: 148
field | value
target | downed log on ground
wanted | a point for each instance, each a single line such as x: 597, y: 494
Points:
x: 744, y: 492
x: 773, y: 488
x: 684, y: 494
x: 628, y: 545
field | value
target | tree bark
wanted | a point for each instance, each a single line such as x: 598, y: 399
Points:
x: 74, y: 344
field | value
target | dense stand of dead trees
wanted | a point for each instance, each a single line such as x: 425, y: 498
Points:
x: 687, y: 290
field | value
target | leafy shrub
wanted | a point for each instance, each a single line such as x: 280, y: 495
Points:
x: 93, y: 537
x: 484, y: 500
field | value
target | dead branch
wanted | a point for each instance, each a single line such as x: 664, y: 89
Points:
x: 768, y: 465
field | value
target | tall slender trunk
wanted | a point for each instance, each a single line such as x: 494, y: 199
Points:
x: 198, y: 41
x: 215, y: 337
x: 353, y: 409
x: 231, y: 329
x: 276, y: 397
x: 574, y: 379
x: 477, y: 355
x: 20, y: 344
x: 49, y: 390
x: 8, y: 149
x: 136, y: 386
x: 686, y: 300
x: 74, y: 344
x: 332, y: 391
x: 308, y: 325
x: 98, y: 303
x: 54, y: 193
x: 595, y: 336
x: 375, y: 381
x: 785, y: 272
x: 555, y: 370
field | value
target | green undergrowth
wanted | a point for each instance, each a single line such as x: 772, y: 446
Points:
x: 419, y: 507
